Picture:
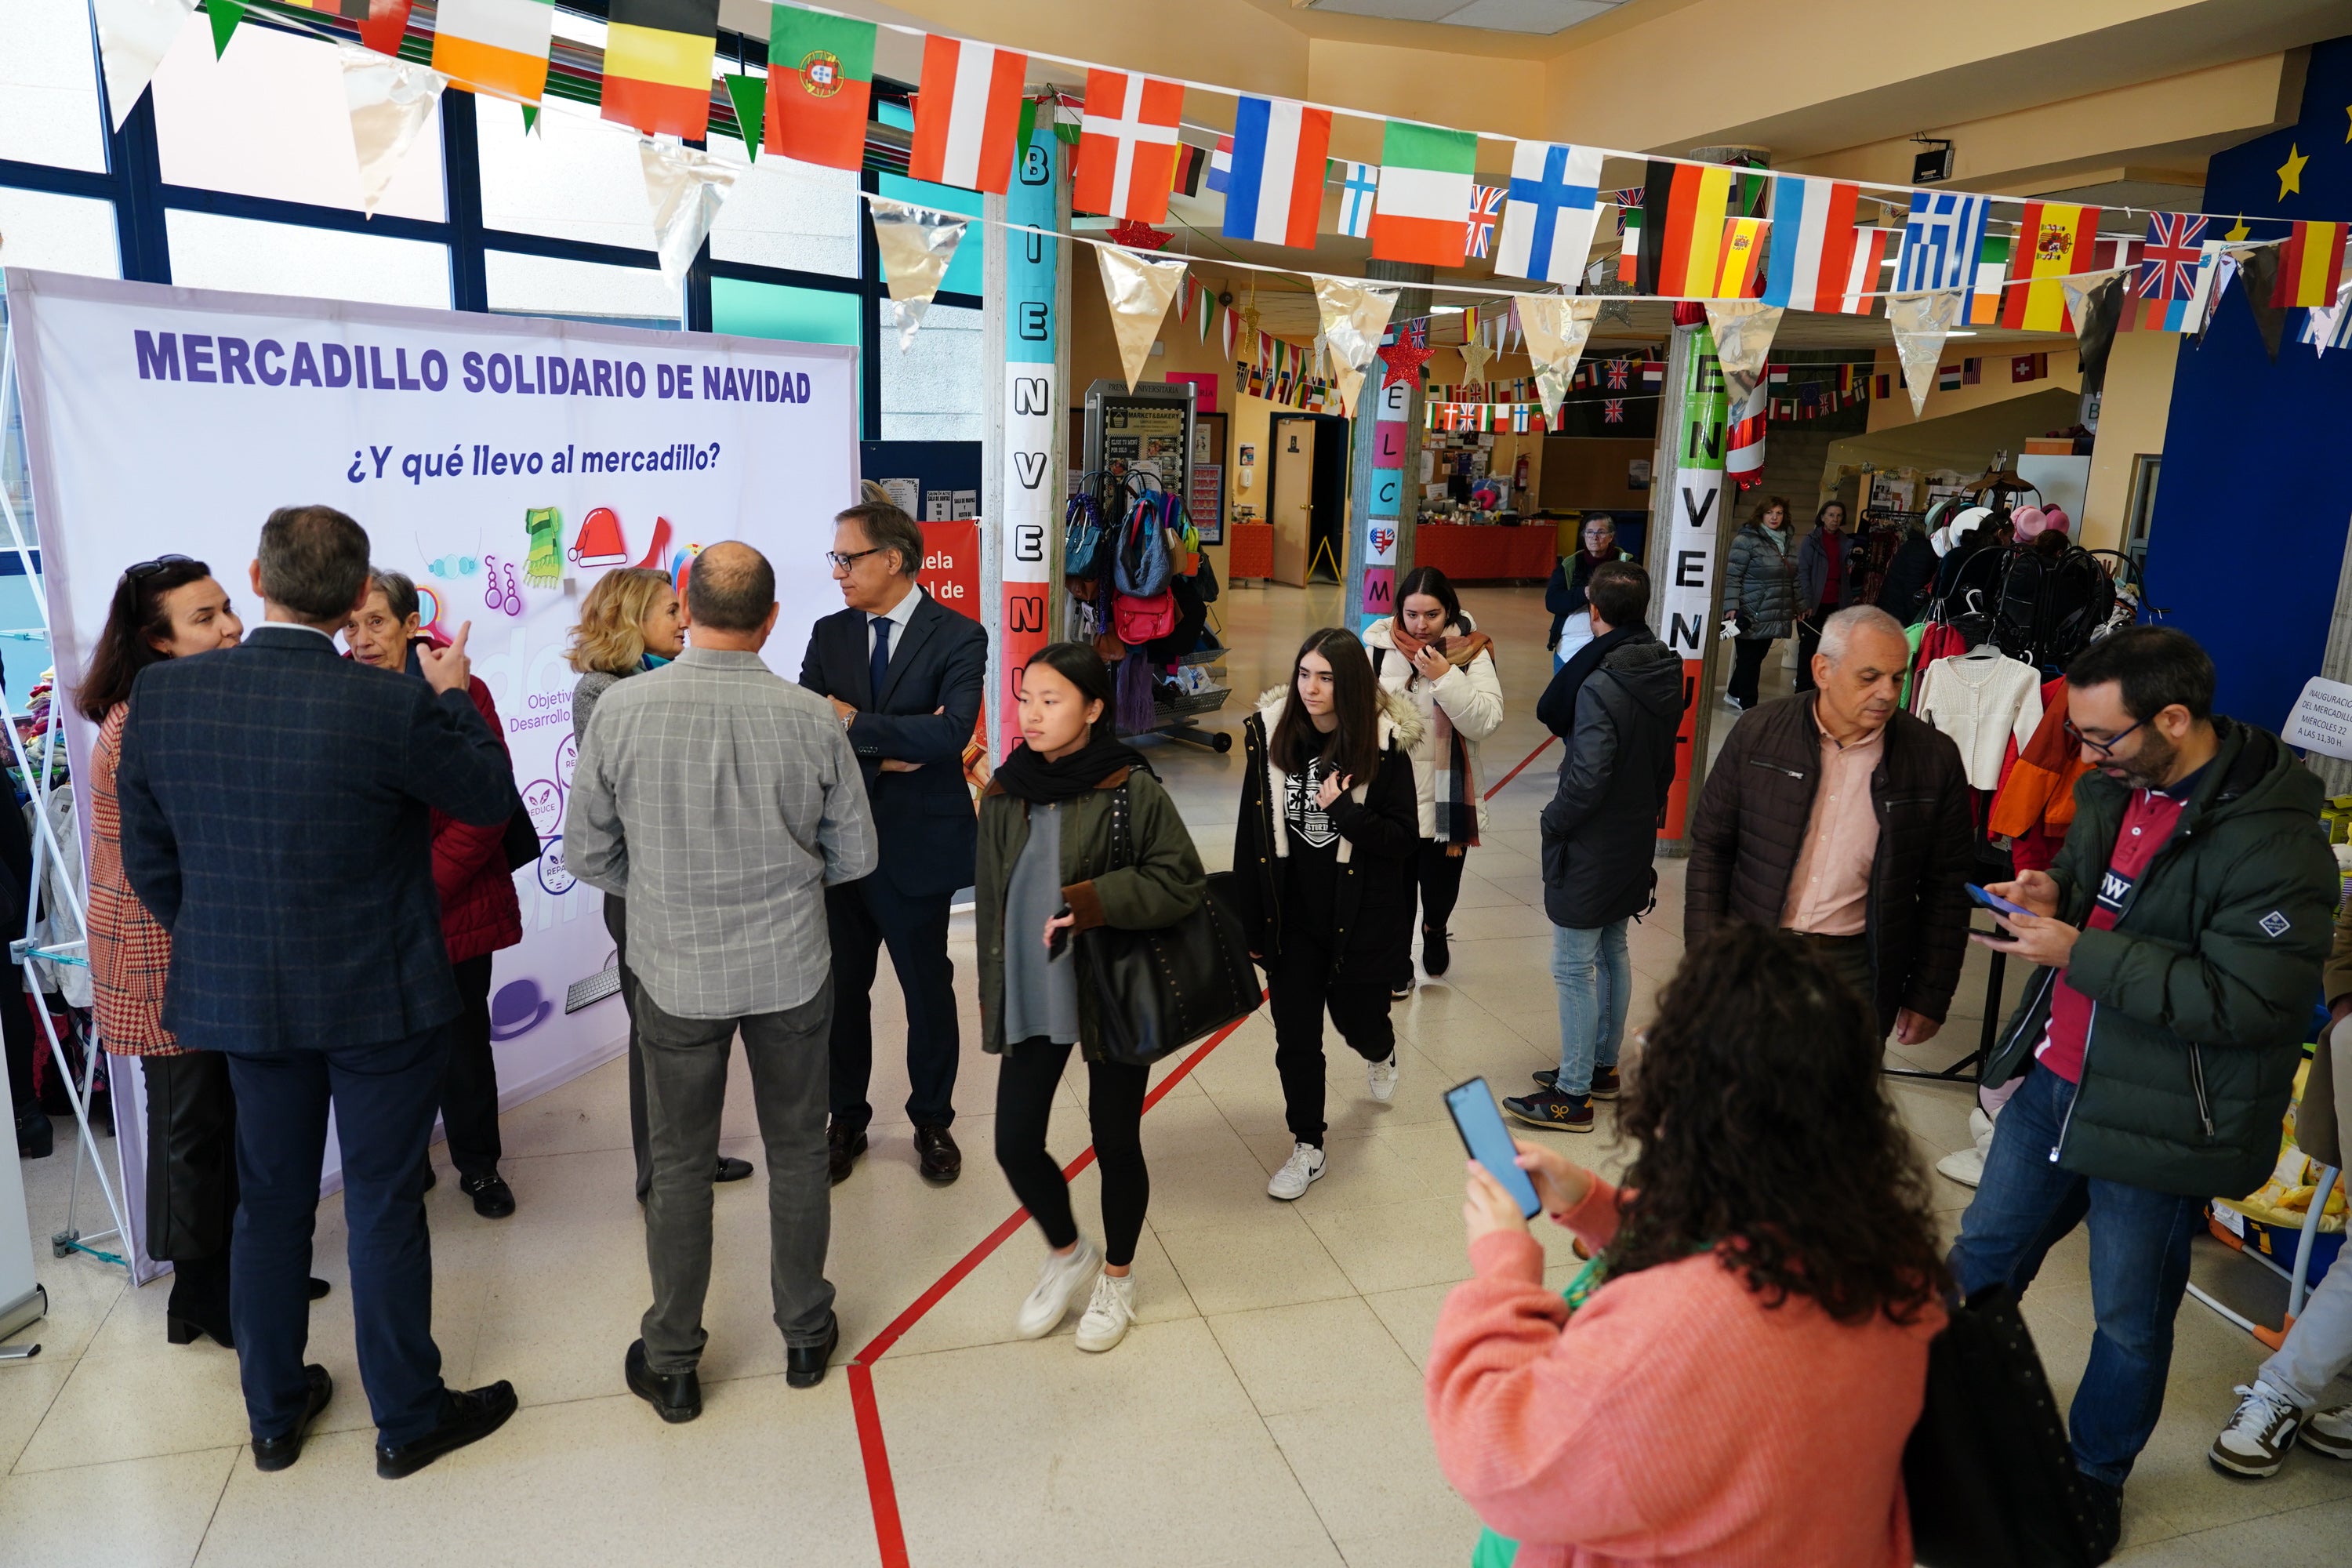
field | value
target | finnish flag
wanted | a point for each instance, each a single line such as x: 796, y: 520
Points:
x: 1554, y: 203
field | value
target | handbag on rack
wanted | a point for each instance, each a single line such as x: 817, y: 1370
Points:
x: 1990, y: 1479
x: 1081, y: 535
x: 1141, y: 620
x: 1157, y: 992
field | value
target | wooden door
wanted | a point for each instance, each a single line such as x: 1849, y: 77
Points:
x: 1293, y: 508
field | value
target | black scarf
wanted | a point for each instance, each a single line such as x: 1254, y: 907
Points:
x: 1556, y: 709
x: 1027, y: 776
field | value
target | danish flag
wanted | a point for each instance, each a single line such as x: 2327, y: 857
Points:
x: 1126, y: 145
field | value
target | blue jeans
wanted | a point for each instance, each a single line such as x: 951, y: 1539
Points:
x: 2139, y: 1266
x: 1595, y: 981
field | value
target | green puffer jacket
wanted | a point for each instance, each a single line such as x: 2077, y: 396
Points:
x: 2204, y: 991
x: 1164, y: 883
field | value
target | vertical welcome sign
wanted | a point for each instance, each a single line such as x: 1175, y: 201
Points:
x: 1030, y: 405
x: 1688, y: 604
x: 1384, y: 501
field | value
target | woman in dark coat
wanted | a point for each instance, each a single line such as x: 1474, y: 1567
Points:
x: 1759, y: 590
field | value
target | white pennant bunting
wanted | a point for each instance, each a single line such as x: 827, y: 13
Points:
x: 1354, y: 317
x: 390, y: 102
x: 133, y: 37
x: 1557, y: 329
x: 685, y: 189
x: 1743, y: 340
x: 1138, y: 290
x: 917, y: 246
x: 1921, y: 322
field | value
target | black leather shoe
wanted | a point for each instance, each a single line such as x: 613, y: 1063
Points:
x: 676, y: 1396
x: 188, y: 1330
x: 1435, y: 957
x: 732, y: 1170
x: 465, y: 1417
x: 276, y: 1453
x: 493, y: 1199
x: 319, y: 1288
x: 805, y: 1365
x: 942, y: 1160
x: 841, y: 1148
x: 36, y: 1138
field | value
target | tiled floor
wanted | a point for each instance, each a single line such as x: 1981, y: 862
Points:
x: 1267, y: 1409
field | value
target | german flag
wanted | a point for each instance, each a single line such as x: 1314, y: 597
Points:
x: 2311, y: 264
x: 658, y: 65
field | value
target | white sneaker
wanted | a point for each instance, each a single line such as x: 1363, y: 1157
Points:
x: 1381, y: 1078
x: 1966, y: 1165
x: 1110, y: 1314
x: 1058, y: 1284
x: 2329, y: 1432
x: 1305, y: 1165
x: 2256, y: 1440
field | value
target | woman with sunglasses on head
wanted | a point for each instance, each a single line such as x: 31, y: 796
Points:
x: 479, y: 911
x: 168, y: 607
x: 1430, y: 654
x: 1324, y: 847
x: 1050, y: 866
x: 631, y: 621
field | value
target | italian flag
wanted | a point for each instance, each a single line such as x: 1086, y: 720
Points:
x: 657, y: 66
x: 820, y: 81
x: 498, y: 47
x: 1422, y: 210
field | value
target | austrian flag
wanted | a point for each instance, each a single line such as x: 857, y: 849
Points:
x: 1126, y: 145
x: 967, y: 113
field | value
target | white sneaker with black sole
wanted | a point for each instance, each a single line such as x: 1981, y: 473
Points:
x: 1306, y: 1164
x: 2259, y: 1434
x: 1059, y: 1283
x: 1381, y: 1078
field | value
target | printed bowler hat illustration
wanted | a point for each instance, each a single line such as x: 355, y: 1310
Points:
x: 518, y: 1009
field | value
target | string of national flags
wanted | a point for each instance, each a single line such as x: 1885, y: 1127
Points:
x: 1691, y: 231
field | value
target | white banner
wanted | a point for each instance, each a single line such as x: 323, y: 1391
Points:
x: 1686, y: 596
x: 503, y: 462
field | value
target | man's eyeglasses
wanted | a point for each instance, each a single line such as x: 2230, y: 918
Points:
x: 2106, y: 748
x: 843, y: 563
x: 142, y: 569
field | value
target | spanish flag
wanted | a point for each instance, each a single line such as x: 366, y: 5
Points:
x: 1734, y: 271
x: 658, y: 65
x: 2311, y: 264
x: 1683, y: 206
x: 2053, y: 241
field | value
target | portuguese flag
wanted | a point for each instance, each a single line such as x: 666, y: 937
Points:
x: 820, y: 81
x: 658, y: 65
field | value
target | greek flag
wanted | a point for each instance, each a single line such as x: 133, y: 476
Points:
x: 1940, y: 241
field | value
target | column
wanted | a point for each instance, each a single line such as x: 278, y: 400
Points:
x: 1384, y: 468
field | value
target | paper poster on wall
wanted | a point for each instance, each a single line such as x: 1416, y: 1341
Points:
x: 903, y: 493
x: 951, y: 574
x: 2322, y: 719
x: 505, y: 463
x: 1380, y: 582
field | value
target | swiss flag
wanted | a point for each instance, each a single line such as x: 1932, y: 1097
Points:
x: 1126, y: 145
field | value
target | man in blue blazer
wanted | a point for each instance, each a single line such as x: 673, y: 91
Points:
x: 905, y: 677
x: 275, y: 800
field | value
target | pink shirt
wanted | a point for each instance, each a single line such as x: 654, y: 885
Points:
x: 1829, y: 891
x: 1675, y: 1418
x: 2148, y: 822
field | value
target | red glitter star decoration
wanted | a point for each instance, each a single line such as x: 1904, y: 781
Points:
x: 1403, y: 362
x: 1137, y: 236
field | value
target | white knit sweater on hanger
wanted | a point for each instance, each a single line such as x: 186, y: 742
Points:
x: 1982, y: 704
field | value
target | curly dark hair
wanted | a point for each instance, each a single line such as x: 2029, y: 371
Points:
x: 1766, y: 1131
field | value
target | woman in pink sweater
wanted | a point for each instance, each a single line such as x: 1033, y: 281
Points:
x: 1732, y: 1381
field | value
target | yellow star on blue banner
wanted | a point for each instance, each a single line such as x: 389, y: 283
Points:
x: 2290, y: 173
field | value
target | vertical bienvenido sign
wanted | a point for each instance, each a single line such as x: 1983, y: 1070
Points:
x: 1687, y: 601
x: 1030, y: 410
x: 1384, y: 498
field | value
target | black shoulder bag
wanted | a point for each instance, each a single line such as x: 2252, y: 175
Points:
x: 1156, y: 992
x: 519, y: 843
x: 1990, y: 1479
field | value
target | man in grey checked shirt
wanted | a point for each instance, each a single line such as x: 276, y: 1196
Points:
x: 721, y: 800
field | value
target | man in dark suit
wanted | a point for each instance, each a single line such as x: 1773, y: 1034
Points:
x: 905, y: 677
x: 275, y: 801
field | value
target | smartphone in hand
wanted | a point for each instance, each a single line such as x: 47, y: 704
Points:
x: 1480, y: 1122
x: 1060, y: 943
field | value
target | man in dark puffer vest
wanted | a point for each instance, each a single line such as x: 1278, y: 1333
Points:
x: 2180, y: 936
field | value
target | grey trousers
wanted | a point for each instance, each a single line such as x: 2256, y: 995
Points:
x: 686, y: 1090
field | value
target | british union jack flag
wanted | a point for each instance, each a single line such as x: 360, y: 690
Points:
x: 1612, y: 412
x: 1486, y: 212
x: 1619, y: 369
x: 2175, y: 249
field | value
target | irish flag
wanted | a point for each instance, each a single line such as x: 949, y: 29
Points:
x: 2311, y: 264
x: 2051, y: 238
x: 820, y: 81
x: 1422, y: 210
x: 1812, y: 242
x: 658, y: 65
x: 498, y: 47
x: 967, y: 112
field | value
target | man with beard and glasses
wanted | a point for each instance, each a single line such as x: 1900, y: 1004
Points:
x: 2179, y: 936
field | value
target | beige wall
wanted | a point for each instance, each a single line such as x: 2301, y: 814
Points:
x: 2135, y: 406
x: 1889, y: 413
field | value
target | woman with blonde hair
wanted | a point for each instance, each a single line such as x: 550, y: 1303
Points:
x: 633, y: 620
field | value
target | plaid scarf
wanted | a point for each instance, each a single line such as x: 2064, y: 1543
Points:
x: 1455, y: 786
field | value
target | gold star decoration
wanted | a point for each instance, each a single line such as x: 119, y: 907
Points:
x: 2239, y: 231
x: 2347, y: 134
x: 2290, y: 173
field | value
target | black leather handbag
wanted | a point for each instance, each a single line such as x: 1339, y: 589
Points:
x: 1991, y: 1480
x: 1157, y: 992
x: 519, y: 843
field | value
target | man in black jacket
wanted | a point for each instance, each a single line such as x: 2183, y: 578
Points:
x: 276, y: 801
x: 1624, y: 692
x: 905, y: 677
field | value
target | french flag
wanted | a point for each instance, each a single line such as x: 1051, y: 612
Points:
x: 1812, y: 242
x: 1274, y: 193
x: 1221, y: 165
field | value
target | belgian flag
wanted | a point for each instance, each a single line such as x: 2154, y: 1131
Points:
x: 657, y: 58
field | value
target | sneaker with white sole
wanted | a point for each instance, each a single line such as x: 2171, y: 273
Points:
x: 1381, y: 1078
x: 1109, y: 1314
x: 1966, y: 1166
x: 1059, y: 1282
x: 2256, y: 1440
x: 2329, y: 1432
x: 1306, y: 1164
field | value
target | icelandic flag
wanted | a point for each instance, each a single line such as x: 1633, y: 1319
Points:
x: 1274, y: 193
x: 1358, y: 183
x: 1812, y: 242
x: 1940, y: 241
x: 1555, y: 202
x: 1221, y: 165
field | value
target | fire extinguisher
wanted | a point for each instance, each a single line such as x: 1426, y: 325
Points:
x: 1519, y: 473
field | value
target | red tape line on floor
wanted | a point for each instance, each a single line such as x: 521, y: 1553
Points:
x: 881, y: 1489
x: 1514, y: 773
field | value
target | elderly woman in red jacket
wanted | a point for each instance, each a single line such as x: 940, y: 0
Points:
x: 480, y: 913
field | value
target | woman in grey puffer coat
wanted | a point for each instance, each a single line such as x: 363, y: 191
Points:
x: 1760, y: 587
